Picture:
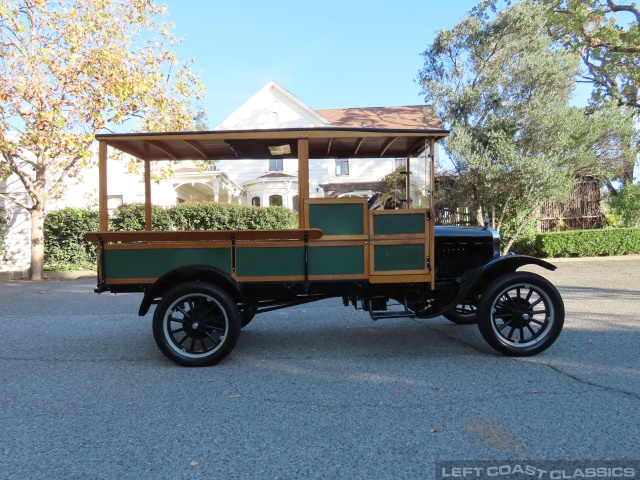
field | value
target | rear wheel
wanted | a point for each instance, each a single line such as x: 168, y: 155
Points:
x: 520, y: 314
x: 196, y: 324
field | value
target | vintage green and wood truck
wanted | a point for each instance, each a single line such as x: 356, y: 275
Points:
x: 207, y: 285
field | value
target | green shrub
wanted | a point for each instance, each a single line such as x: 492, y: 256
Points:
x: 218, y: 216
x: 525, y: 243
x: 625, y: 206
x: 131, y: 217
x: 64, y: 247
x: 589, y: 243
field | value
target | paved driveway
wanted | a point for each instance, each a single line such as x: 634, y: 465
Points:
x: 317, y: 391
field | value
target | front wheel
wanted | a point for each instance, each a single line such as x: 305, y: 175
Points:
x: 520, y: 314
x: 196, y: 324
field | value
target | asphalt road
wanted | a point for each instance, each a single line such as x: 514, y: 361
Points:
x: 317, y: 391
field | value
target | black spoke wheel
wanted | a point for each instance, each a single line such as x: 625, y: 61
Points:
x: 464, y: 313
x: 520, y: 314
x: 196, y: 324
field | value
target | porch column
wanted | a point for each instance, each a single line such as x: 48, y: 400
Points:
x: 303, y: 178
x: 216, y: 189
x: 102, y: 186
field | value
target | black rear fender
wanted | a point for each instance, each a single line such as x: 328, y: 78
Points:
x: 191, y: 273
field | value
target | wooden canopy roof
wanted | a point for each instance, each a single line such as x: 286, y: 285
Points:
x: 329, y: 142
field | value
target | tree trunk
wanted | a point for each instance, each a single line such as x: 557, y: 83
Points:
x: 524, y: 222
x: 480, y: 216
x: 612, y: 189
x: 36, y: 271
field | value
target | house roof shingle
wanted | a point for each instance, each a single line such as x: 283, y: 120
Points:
x: 412, y: 117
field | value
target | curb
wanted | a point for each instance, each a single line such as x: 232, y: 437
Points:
x: 49, y: 275
x: 612, y: 258
x: 19, y: 275
x: 70, y: 275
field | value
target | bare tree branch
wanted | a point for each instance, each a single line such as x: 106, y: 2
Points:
x: 616, y: 7
x: 15, y: 200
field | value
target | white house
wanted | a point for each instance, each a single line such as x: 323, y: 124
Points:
x: 248, y: 182
x: 274, y: 181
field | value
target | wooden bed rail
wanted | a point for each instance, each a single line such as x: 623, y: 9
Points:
x: 203, y: 235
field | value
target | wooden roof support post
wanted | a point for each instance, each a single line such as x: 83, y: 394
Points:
x: 432, y: 205
x: 303, y: 178
x: 147, y: 195
x: 408, y: 179
x: 102, y: 186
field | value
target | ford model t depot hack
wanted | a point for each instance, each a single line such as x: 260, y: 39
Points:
x: 207, y: 285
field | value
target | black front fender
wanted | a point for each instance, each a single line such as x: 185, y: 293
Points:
x: 473, y: 282
x: 501, y: 265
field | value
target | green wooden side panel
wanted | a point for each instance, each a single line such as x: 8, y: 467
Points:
x: 337, y: 219
x: 336, y: 260
x: 399, y: 224
x: 155, y: 262
x: 269, y: 261
x: 398, y: 257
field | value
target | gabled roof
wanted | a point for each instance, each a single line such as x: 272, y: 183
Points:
x: 273, y: 99
x: 413, y: 117
x: 248, y: 133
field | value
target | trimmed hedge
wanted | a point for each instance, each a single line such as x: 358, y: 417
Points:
x: 203, y: 216
x: 131, y: 217
x: 66, y: 250
x: 220, y: 216
x: 588, y: 243
x: 64, y: 247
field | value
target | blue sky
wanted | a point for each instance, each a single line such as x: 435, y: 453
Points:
x: 329, y: 54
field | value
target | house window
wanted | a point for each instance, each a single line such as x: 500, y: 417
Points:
x: 295, y: 202
x: 113, y: 202
x: 255, y: 201
x: 275, y: 165
x: 342, y: 166
x: 275, y: 200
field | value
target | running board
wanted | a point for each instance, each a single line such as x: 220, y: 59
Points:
x: 381, y: 314
x: 404, y: 313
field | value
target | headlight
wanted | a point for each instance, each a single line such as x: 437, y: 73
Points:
x: 496, y: 242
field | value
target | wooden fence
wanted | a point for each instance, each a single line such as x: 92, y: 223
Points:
x: 455, y: 216
x: 582, y: 211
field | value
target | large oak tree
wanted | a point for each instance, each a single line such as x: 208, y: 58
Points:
x: 502, y: 88
x: 606, y: 35
x: 70, y: 68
